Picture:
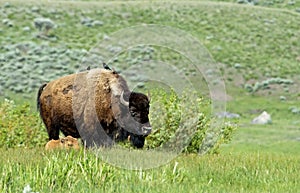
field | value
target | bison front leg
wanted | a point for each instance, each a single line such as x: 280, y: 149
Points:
x: 137, y: 141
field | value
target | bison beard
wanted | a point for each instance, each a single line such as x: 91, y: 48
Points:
x: 99, y: 104
x: 136, y: 140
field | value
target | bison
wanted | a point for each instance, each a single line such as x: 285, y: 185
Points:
x: 95, y: 105
x: 64, y: 143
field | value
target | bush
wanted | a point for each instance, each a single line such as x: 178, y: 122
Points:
x: 181, y: 124
x: 44, y: 25
x: 264, y: 85
x: 20, y: 127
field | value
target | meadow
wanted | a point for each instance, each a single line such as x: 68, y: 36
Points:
x: 255, y: 45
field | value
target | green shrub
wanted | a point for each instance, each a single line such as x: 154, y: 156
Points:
x: 20, y: 127
x: 223, y: 136
x: 264, y: 85
x: 179, y: 123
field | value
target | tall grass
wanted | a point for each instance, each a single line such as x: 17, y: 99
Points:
x: 83, y: 171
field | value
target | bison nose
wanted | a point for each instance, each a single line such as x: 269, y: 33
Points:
x: 147, y: 130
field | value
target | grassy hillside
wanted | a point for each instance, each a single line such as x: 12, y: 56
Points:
x: 282, y: 4
x: 259, y: 43
x: 256, y: 48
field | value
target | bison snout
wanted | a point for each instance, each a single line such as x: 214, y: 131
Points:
x: 70, y: 144
x: 146, y: 130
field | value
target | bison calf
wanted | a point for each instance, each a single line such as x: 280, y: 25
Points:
x: 64, y: 143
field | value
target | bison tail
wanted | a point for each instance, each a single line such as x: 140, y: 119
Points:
x: 38, y: 96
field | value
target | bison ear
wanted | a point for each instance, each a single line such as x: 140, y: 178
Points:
x: 122, y: 100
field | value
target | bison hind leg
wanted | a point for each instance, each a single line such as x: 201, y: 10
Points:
x: 70, y: 131
x: 53, y: 132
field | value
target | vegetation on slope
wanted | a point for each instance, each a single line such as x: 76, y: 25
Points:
x: 259, y: 45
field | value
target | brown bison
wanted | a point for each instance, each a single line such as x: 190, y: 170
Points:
x: 64, y: 143
x: 95, y: 105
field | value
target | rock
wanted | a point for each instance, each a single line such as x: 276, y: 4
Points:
x: 7, y: 5
x: 35, y: 9
x: 106, y: 37
x: 237, y: 66
x: 5, y: 21
x: 86, y: 21
x: 97, y: 23
x: 294, y: 110
x: 8, y: 22
x: 26, y: 28
x: 282, y: 98
x: 263, y: 118
x: 227, y: 115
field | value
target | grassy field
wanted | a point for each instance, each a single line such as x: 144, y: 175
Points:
x: 81, y: 172
x: 251, y: 45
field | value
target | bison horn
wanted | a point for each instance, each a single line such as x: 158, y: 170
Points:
x: 122, y: 100
x: 149, y: 96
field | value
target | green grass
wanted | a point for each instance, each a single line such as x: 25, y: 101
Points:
x: 84, y: 172
x: 282, y: 4
x: 282, y: 136
x: 251, y: 44
x: 234, y: 34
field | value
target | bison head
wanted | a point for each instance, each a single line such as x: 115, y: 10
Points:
x: 134, y: 117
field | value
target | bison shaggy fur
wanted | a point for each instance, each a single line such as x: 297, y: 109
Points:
x: 95, y: 105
